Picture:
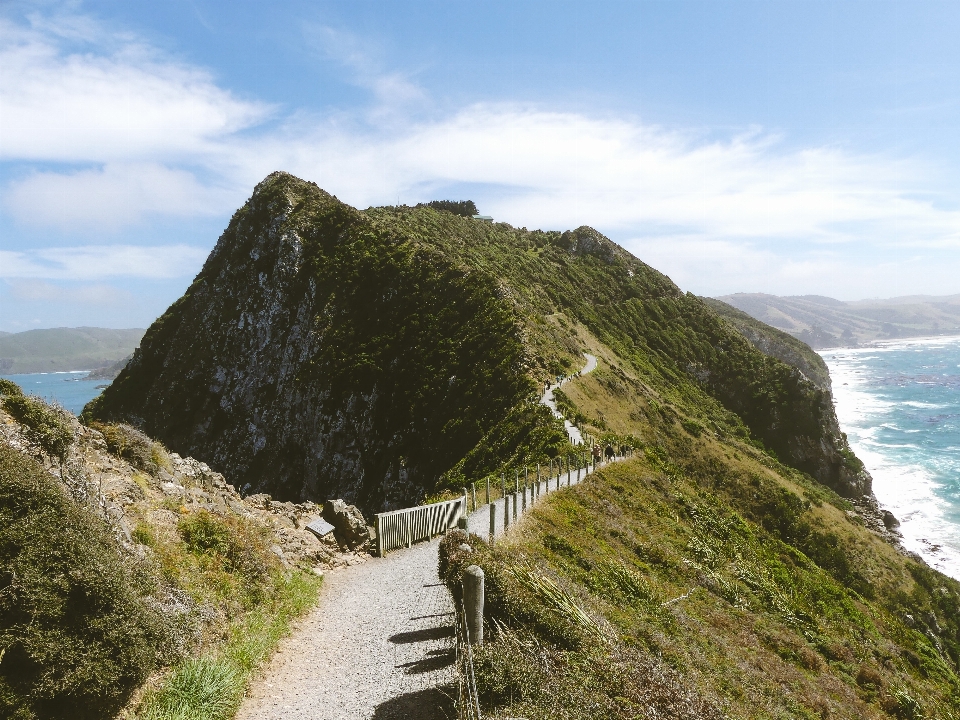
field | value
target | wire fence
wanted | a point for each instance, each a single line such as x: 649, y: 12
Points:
x: 468, y: 700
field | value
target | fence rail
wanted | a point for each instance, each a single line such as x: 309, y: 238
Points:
x: 402, y: 528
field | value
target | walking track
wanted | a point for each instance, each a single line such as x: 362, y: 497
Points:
x: 379, y: 645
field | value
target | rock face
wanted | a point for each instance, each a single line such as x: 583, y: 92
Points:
x: 324, y: 352
x: 315, y: 356
x: 825, y: 455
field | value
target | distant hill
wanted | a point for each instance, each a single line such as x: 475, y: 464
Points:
x: 825, y: 322
x: 61, y: 349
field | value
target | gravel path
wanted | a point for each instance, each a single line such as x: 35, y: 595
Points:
x: 378, y: 645
x: 547, y: 399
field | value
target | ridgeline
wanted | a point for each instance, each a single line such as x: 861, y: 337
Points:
x: 737, y: 566
x: 386, y: 354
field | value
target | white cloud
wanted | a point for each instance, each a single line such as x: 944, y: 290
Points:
x: 92, y: 262
x: 41, y: 291
x: 126, y: 104
x: 562, y: 169
x: 147, y: 136
x: 111, y: 197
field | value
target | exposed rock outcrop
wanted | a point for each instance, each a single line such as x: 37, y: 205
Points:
x: 315, y: 356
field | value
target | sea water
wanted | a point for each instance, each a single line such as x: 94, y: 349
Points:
x: 71, y: 390
x: 899, y: 404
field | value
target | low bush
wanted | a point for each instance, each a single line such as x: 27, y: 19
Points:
x: 9, y: 387
x: 232, y: 556
x: 78, y: 629
x: 45, y: 425
x: 135, y: 447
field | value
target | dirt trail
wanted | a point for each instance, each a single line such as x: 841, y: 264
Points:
x: 547, y: 399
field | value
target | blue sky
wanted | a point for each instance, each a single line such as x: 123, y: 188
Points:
x: 782, y: 147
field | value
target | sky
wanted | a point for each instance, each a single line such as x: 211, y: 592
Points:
x: 738, y: 146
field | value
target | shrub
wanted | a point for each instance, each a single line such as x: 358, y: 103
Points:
x: 8, y: 387
x: 230, y: 544
x: 77, y: 632
x: 46, y: 426
x: 135, y: 447
x: 466, y: 208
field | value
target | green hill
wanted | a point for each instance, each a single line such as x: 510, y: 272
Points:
x: 377, y: 354
x: 737, y: 567
x: 62, y: 349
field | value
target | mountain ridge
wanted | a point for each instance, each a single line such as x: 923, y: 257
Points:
x: 377, y: 355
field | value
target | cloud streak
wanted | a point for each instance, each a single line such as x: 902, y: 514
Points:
x: 138, y: 135
x: 92, y: 262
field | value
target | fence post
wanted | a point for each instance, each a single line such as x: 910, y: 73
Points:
x: 379, y: 536
x: 515, y: 506
x: 568, y: 471
x: 506, y: 512
x: 473, y: 603
x: 538, y: 480
x: 473, y: 490
x: 523, y: 502
x: 493, y: 520
x: 488, y: 489
x: 406, y: 517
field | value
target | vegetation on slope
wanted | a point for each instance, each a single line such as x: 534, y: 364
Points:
x: 704, y: 580
x: 78, y: 633
x: 108, y: 581
x: 327, y: 351
x: 572, y: 289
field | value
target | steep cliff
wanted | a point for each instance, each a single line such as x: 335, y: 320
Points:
x: 324, y: 351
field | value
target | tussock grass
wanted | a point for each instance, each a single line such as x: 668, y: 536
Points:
x: 212, y: 686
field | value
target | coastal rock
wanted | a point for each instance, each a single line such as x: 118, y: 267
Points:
x: 890, y: 520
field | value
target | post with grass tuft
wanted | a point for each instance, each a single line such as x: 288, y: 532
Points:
x: 473, y: 603
x: 488, y: 489
x: 493, y: 520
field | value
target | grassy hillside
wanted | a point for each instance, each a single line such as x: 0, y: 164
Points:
x: 825, y: 322
x: 714, y: 582
x: 376, y: 355
x: 133, y: 580
x: 62, y: 349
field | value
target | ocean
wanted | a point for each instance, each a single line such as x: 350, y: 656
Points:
x: 899, y: 404
x: 70, y: 389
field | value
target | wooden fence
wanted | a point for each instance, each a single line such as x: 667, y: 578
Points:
x: 402, y: 528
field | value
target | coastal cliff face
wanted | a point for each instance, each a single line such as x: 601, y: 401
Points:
x: 315, y: 357
x: 378, y: 355
x: 835, y: 463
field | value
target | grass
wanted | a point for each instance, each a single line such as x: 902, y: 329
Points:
x: 212, y: 686
x: 720, y: 575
